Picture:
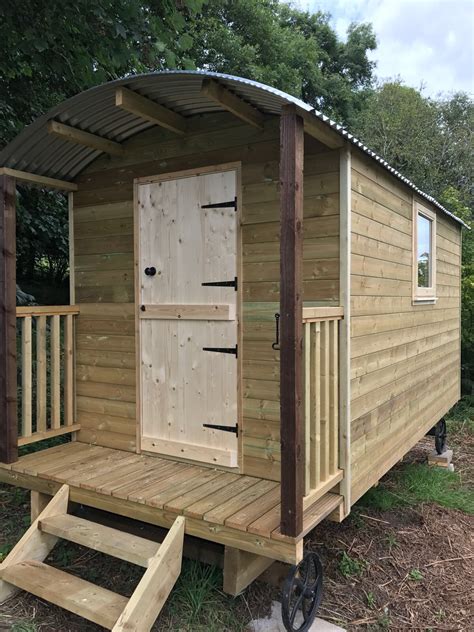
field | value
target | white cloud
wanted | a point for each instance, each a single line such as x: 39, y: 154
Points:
x: 426, y: 42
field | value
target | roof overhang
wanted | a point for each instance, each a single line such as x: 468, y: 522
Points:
x: 101, y: 118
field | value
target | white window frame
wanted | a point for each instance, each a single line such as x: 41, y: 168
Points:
x: 424, y: 294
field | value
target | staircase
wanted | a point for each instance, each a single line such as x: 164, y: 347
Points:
x: 24, y: 568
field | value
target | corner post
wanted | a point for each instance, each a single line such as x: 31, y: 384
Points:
x: 291, y: 320
x: 8, y: 397
x: 345, y: 216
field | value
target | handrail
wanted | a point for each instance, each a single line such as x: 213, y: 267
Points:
x: 321, y: 368
x: 47, y: 310
x: 313, y: 314
x: 46, y: 365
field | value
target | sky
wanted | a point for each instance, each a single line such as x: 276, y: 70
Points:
x: 424, y: 42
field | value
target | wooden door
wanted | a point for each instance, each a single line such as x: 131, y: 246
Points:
x: 188, y: 331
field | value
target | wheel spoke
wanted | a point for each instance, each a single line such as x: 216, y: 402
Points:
x: 295, y: 608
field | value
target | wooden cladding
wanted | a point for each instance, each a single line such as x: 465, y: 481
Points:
x: 321, y: 370
x: 46, y: 361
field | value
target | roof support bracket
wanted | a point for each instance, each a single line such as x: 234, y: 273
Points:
x: 216, y: 92
x: 149, y: 110
x: 79, y: 136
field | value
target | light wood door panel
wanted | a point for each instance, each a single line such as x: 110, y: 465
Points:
x: 182, y: 386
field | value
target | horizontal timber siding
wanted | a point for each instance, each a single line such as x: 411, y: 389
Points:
x: 103, y: 224
x: 405, y: 366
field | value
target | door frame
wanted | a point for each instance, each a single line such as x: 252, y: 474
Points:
x: 176, y: 175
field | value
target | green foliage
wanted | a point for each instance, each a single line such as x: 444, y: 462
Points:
x: 370, y: 599
x: 350, y: 566
x: 295, y: 51
x: 415, y: 574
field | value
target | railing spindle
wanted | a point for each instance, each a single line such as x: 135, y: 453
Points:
x: 55, y: 350
x: 69, y: 370
x: 26, y: 377
x: 41, y: 373
x: 334, y: 403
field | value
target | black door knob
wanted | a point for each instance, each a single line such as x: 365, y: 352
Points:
x: 150, y: 271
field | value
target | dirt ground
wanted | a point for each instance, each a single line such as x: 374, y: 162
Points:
x: 406, y: 568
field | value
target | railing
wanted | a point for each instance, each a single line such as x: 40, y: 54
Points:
x: 321, y: 336
x: 45, y: 353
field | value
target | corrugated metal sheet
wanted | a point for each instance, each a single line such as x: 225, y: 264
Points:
x: 36, y: 151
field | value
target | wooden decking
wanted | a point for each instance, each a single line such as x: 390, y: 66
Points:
x: 235, y: 510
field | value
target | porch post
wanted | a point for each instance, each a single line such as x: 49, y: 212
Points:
x: 8, y: 416
x: 291, y: 320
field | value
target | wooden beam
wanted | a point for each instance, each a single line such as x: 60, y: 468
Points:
x: 291, y: 320
x: 345, y: 217
x: 149, y: 110
x: 231, y: 102
x: 80, y: 137
x: 33, y: 178
x: 315, y: 127
x: 8, y: 396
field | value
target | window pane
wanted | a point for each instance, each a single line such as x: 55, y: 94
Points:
x: 424, y: 251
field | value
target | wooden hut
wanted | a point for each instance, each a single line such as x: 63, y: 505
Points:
x: 264, y: 319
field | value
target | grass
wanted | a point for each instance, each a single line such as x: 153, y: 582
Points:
x: 198, y: 602
x: 416, y: 483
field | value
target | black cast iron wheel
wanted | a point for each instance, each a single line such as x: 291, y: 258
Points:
x: 302, y: 593
x: 440, y: 436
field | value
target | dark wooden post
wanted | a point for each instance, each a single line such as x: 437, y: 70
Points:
x: 291, y: 320
x: 8, y: 416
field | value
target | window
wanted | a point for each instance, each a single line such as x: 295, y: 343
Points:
x: 424, y: 254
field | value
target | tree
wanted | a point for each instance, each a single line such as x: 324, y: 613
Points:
x: 52, y: 50
x: 289, y: 49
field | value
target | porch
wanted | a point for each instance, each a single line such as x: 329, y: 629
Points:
x: 237, y: 511
x: 226, y: 507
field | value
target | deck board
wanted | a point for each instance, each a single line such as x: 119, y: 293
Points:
x: 227, y: 503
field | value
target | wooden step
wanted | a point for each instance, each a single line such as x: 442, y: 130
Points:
x: 87, y: 600
x: 125, y: 546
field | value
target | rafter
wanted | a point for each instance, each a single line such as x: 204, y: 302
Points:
x: 33, y: 178
x: 229, y: 101
x: 149, y: 110
x: 79, y: 136
x: 316, y: 128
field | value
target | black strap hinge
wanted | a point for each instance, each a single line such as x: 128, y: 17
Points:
x: 229, y: 204
x: 233, y: 350
x: 234, y: 429
x: 222, y: 284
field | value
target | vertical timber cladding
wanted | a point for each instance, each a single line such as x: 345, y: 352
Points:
x: 104, y: 243
x: 405, y: 368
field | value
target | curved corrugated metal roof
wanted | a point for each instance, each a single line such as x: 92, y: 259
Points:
x: 36, y: 151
